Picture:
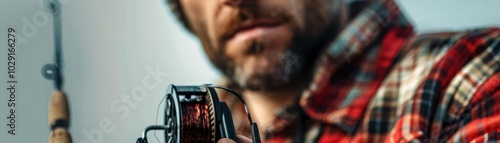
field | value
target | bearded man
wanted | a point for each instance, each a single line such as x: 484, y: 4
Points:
x: 331, y: 71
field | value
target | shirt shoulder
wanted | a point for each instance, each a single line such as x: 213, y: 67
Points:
x: 431, y: 90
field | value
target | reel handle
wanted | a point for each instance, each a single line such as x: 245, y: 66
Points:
x: 227, y: 126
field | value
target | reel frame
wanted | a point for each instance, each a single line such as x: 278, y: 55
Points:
x: 221, y: 122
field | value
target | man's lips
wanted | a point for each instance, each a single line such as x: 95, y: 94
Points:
x: 252, y: 29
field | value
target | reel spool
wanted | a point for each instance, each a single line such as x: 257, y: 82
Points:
x: 195, y: 114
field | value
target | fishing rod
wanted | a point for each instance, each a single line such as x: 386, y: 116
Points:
x: 192, y: 113
x: 58, y: 110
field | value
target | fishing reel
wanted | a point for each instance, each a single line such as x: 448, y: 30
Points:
x: 195, y: 114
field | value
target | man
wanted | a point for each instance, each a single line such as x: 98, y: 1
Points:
x: 326, y: 71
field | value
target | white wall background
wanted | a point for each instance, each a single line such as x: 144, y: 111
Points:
x: 110, y: 45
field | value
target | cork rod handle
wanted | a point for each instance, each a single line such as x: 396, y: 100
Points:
x: 59, y: 118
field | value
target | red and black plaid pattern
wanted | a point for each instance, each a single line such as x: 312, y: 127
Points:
x: 380, y: 82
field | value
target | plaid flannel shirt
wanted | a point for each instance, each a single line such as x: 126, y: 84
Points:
x: 381, y: 82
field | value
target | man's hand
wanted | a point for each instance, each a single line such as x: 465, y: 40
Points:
x: 241, y: 139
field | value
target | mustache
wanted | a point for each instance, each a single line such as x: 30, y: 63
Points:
x: 230, y: 23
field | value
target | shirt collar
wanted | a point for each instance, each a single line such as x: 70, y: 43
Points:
x: 360, y: 35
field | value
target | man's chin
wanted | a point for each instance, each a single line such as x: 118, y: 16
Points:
x: 268, y: 72
x: 261, y: 84
x: 263, y: 81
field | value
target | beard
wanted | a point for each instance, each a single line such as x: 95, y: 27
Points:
x: 265, y: 68
x: 268, y: 71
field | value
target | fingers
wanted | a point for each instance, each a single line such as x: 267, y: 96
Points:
x: 241, y: 139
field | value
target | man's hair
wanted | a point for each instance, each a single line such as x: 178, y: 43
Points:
x: 176, y: 8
